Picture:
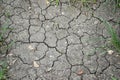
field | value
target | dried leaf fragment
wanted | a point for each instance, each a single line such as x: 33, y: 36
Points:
x: 80, y: 72
x: 13, y: 62
x: 47, y: 2
x: 49, y: 69
x: 11, y: 54
x: 35, y: 64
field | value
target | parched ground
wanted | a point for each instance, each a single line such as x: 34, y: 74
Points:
x: 59, y: 42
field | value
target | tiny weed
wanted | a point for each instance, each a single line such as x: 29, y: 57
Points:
x: 2, y: 63
x: 3, y: 50
x: 7, y: 14
x: 113, y: 78
x: 88, y: 1
x: 117, y: 3
x: 3, y: 70
x: 114, y: 37
x: 83, y: 2
x: 57, y: 2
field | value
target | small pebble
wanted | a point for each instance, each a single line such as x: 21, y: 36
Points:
x: 96, y: 22
x: 49, y: 69
x: 63, y: 13
x: 29, y: 8
x: 110, y: 52
x: 30, y: 47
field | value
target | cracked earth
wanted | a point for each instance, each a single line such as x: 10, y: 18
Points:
x: 59, y: 42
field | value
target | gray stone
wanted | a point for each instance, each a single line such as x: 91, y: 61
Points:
x: 22, y: 36
x: 61, y: 45
x: 51, y: 39
x: 18, y: 70
x: 52, y: 11
x: 89, y: 77
x: 39, y: 36
x: 62, y: 21
x: 61, y: 34
x: 50, y: 26
x: 50, y: 57
x: 42, y: 4
x: 103, y: 64
x: 91, y: 63
x: 61, y: 68
x: 73, y: 39
x: 35, y: 22
x: 69, y: 11
x: 75, y: 55
x: 32, y: 74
